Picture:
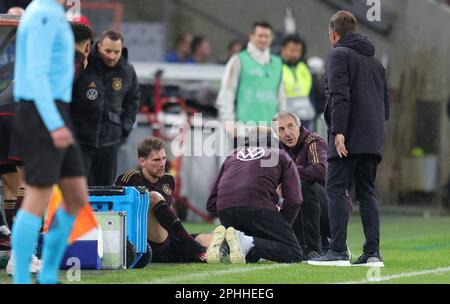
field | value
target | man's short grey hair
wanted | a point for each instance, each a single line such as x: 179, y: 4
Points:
x: 284, y: 114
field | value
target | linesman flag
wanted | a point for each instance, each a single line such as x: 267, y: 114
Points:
x: 84, y: 222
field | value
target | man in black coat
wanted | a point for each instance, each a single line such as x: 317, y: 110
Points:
x: 105, y: 102
x: 357, y: 106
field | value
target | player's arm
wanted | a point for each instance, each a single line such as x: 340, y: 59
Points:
x: 292, y: 192
x: 130, y: 106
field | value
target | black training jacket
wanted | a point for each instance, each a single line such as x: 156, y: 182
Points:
x: 104, y: 101
x: 357, y: 96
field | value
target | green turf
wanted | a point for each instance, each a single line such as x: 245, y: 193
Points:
x: 409, y: 245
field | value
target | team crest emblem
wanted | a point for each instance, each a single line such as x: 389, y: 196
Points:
x: 249, y: 154
x: 109, y: 223
x: 92, y: 94
x: 117, y: 84
x: 166, y: 189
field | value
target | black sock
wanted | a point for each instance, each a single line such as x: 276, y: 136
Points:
x: 19, y: 200
x: 169, y: 221
x: 10, y: 212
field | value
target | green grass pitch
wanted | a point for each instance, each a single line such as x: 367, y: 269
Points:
x: 415, y: 250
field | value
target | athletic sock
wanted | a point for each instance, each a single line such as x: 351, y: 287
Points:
x: 25, y: 234
x: 55, y: 244
x: 169, y: 221
x: 247, y: 242
x: 19, y: 199
x: 10, y: 211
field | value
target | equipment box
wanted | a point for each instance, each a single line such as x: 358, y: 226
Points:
x: 114, y: 239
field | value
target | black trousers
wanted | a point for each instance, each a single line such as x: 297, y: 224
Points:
x: 307, y: 224
x: 325, y: 233
x: 274, y: 239
x: 362, y: 168
x: 100, y: 164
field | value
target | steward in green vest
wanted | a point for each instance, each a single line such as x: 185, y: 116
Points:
x: 259, y: 85
x: 252, y: 87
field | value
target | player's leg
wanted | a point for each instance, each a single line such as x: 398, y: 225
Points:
x: 155, y: 232
x: 204, y: 239
x: 21, y: 192
x: 26, y: 228
x: 171, y: 224
x: 74, y: 191
x: 11, y: 184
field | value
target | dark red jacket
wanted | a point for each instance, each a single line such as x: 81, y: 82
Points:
x: 246, y: 181
x: 310, y: 156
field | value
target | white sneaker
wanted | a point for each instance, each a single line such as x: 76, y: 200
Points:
x: 35, y: 265
x: 239, y: 244
x: 215, y: 249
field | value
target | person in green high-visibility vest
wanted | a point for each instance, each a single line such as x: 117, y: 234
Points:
x: 252, y: 89
x: 297, y: 78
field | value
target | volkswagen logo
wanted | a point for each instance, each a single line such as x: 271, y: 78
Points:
x: 249, y: 154
x: 92, y: 94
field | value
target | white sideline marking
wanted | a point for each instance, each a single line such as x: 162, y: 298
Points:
x: 175, y: 279
x: 400, y: 275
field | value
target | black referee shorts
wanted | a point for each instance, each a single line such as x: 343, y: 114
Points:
x: 44, y: 164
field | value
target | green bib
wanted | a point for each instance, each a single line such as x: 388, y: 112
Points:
x: 257, y: 94
x: 297, y: 81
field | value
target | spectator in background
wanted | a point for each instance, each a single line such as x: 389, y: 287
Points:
x: 8, y: 55
x: 201, y: 49
x: 251, y: 87
x: 81, y: 20
x: 182, y: 53
x: 297, y: 79
x: 234, y: 47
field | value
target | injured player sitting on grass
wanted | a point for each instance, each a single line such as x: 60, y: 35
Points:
x: 169, y: 240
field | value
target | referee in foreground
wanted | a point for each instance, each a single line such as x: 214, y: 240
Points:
x: 44, y: 72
